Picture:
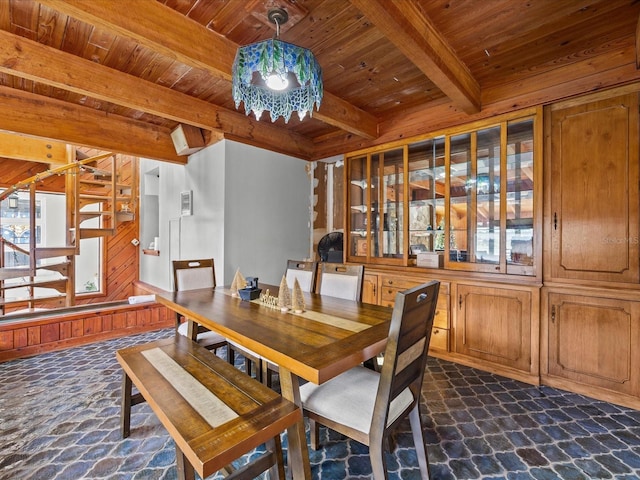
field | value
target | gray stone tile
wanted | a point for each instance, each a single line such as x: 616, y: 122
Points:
x: 62, y: 423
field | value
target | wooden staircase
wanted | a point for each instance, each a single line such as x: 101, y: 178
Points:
x: 96, y: 203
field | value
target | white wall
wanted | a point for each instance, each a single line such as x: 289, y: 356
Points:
x: 251, y: 210
x: 267, y: 207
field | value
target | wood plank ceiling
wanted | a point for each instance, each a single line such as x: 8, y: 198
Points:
x: 120, y: 76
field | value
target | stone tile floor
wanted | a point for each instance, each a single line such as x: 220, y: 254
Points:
x: 59, y: 420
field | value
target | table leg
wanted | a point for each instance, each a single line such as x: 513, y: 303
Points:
x: 125, y: 406
x: 298, y: 453
x: 192, y: 330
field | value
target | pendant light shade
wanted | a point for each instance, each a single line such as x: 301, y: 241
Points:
x: 277, y: 76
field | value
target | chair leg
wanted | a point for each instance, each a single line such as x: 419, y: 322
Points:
x: 125, y: 406
x: 314, y: 430
x: 378, y: 465
x: 418, y: 440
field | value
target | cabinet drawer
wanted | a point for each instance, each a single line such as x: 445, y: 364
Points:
x: 388, y: 295
x: 439, y: 339
x: 403, y: 284
x: 441, y: 320
x: 399, y: 283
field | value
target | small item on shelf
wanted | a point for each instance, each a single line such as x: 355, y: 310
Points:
x: 430, y: 259
x: 284, y: 295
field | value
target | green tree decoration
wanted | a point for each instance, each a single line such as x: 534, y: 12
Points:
x: 297, y: 303
x: 284, y: 295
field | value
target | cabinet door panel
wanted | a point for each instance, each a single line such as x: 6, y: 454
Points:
x: 494, y: 324
x: 594, y: 188
x: 370, y: 289
x: 595, y: 341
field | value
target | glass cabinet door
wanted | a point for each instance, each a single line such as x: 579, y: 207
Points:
x: 426, y: 190
x: 358, y: 206
x: 474, y: 208
x: 461, y: 177
x: 387, y: 233
x: 487, y: 191
x: 467, y: 196
x: 519, y: 198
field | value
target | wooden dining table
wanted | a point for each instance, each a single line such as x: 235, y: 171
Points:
x: 331, y: 336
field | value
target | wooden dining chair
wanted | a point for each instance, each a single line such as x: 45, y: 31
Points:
x: 191, y: 275
x: 366, y: 405
x: 341, y: 281
x: 304, y: 272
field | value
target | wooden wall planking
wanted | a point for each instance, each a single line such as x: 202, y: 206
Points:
x: 21, y: 339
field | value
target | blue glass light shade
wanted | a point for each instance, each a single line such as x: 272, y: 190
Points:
x: 270, y: 57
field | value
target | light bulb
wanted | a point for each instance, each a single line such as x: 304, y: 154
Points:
x: 276, y: 82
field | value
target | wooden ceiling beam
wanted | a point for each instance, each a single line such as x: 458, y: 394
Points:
x: 22, y: 147
x: 34, y: 61
x: 44, y: 117
x: 166, y: 31
x: 413, y: 34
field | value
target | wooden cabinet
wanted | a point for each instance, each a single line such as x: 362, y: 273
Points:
x: 468, y: 195
x: 593, y: 182
x: 592, y: 345
x: 494, y: 325
x: 390, y: 285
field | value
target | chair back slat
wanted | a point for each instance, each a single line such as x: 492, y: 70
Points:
x: 341, y: 281
x: 406, y: 352
x: 304, y: 271
x: 193, y: 274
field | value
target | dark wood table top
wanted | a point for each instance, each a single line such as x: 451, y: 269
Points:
x: 330, y: 337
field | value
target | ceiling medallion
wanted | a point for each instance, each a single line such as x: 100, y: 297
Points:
x: 277, y: 76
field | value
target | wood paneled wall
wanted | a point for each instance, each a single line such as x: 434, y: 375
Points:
x: 31, y: 337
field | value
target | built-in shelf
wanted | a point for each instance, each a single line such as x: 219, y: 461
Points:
x: 151, y: 252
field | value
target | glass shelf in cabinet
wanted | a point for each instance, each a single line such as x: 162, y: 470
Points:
x: 359, y: 183
x: 360, y: 208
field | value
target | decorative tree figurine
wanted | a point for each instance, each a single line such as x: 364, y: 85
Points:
x: 284, y: 295
x: 237, y: 283
x: 297, y: 303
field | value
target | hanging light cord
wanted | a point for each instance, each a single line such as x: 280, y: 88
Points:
x: 275, y: 20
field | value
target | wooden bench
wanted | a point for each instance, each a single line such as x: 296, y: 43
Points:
x: 214, y: 412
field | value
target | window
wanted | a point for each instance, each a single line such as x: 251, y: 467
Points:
x: 50, y: 231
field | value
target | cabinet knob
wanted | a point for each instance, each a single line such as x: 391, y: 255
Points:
x: 390, y: 282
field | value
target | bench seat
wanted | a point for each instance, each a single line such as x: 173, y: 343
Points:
x: 214, y: 412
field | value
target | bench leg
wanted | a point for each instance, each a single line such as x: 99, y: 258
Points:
x: 125, y: 406
x: 185, y: 469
